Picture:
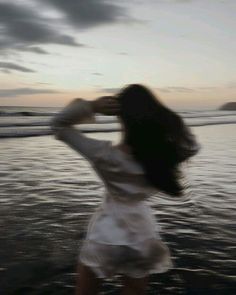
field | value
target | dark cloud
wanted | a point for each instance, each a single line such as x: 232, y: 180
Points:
x: 24, y: 91
x: 90, y: 13
x: 21, y: 28
x: 24, y: 28
x: 11, y: 66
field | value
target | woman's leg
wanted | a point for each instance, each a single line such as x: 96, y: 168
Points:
x: 87, y: 282
x: 132, y: 286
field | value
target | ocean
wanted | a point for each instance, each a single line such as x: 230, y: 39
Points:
x: 35, y: 121
x: 48, y: 193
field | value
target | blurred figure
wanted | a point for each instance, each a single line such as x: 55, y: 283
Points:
x: 123, y: 237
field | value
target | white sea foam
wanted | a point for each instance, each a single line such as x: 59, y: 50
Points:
x: 25, y: 121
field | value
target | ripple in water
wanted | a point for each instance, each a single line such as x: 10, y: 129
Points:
x: 48, y: 193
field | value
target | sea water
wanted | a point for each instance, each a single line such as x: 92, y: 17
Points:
x: 35, y: 121
x: 48, y: 193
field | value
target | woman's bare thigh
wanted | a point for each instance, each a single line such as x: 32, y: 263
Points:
x: 134, y: 286
x: 87, y: 282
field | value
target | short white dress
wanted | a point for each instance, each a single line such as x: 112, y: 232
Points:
x: 123, y: 235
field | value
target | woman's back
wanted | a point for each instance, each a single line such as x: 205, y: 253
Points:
x: 122, y: 175
x: 124, y: 227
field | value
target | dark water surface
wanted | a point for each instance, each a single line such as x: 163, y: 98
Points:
x: 48, y: 193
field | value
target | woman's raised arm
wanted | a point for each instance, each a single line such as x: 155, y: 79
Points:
x: 77, y: 112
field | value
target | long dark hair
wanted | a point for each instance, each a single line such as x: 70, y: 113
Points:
x: 158, y: 137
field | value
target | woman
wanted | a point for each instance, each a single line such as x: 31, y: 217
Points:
x: 123, y: 237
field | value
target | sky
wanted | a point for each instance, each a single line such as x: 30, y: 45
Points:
x: 52, y: 51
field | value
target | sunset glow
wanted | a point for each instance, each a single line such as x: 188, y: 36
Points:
x: 52, y: 51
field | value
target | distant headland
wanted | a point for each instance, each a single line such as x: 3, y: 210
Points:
x: 229, y: 106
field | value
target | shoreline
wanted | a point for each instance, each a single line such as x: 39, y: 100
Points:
x: 105, y: 130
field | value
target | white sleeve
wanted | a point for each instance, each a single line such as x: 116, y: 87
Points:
x: 76, y: 112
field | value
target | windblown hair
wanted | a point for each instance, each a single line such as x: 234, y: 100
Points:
x: 159, y: 139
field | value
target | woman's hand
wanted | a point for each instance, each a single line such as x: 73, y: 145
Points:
x: 106, y: 105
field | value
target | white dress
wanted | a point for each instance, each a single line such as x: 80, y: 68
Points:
x: 123, y: 236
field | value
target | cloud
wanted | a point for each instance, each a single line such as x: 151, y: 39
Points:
x: 24, y: 91
x: 176, y: 1
x: 161, y: 89
x: 110, y: 90
x: 90, y: 13
x: 34, y: 49
x: 24, y: 25
x: 207, y: 88
x: 153, y: 2
x: 22, y: 28
x: 181, y: 89
x: 164, y: 89
x: 43, y: 83
x: 175, y: 89
x: 11, y: 66
x: 231, y: 85
x: 123, y: 53
x: 97, y: 74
